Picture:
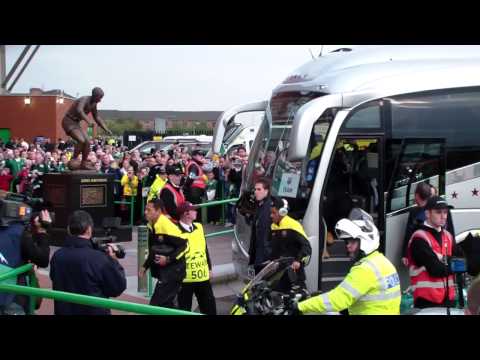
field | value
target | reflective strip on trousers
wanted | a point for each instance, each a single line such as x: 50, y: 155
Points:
x: 432, y: 284
x: 382, y: 296
x: 349, y: 288
x: 326, y: 302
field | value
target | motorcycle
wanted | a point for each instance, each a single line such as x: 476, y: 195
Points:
x: 259, y: 297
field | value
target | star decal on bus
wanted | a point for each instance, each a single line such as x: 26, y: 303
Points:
x: 454, y: 195
x: 474, y: 192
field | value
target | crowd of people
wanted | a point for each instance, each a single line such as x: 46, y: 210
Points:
x: 23, y: 164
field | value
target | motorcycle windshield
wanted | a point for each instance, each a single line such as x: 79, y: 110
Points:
x: 269, y: 271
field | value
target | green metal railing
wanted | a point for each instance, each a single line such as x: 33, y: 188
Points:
x: 82, y: 299
x: 223, y: 202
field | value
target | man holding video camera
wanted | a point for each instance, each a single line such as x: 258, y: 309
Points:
x: 79, y: 267
x: 21, y: 243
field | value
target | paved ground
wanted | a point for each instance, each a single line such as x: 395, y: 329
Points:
x: 220, y: 249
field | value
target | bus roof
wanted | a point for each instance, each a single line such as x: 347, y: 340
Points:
x: 383, y: 68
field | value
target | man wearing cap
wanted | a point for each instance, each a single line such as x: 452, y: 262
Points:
x: 429, y: 252
x: 196, y: 181
x: 172, y: 193
x: 198, y: 264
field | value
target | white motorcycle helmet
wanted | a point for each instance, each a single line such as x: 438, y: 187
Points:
x: 359, y: 225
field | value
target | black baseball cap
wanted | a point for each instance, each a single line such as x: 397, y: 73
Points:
x: 437, y: 202
x: 174, y: 170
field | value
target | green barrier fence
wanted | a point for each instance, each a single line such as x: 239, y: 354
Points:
x: 82, y: 299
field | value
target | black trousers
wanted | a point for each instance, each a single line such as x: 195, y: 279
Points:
x: 204, y: 294
x: 165, y: 293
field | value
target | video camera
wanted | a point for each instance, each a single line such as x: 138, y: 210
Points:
x: 21, y: 208
x: 246, y: 204
x: 101, y: 242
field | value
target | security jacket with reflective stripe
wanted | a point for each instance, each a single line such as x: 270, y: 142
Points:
x: 165, y: 233
x: 172, y: 196
x: 194, y: 171
x: 422, y: 256
x: 372, y: 287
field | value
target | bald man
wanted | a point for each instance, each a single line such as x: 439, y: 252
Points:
x: 71, y: 124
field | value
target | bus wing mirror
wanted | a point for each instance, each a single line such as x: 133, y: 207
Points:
x: 229, y: 114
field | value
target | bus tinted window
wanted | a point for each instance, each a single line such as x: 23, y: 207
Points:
x: 365, y: 118
x: 450, y: 115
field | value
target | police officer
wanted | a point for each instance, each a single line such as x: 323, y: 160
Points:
x: 199, y: 266
x: 372, y: 287
x: 166, y: 259
x: 172, y: 193
x: 289, y: 240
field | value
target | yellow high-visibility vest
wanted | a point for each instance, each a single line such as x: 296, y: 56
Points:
x: 372, y: 287
x: 156, y: 187
x: 196, y: 256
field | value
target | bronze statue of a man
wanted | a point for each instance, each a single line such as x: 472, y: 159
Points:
x: 71, y: 124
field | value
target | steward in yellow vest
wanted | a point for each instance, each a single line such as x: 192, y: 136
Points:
x: 372, y: 287
x: 198, y: 264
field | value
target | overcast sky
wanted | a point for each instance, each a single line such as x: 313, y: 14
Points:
x: 182, y: 78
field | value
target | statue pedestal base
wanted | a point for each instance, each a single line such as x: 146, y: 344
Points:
x: 79, y: 190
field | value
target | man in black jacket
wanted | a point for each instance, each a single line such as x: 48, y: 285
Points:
x: 260, y: 246
x: 81, y: 269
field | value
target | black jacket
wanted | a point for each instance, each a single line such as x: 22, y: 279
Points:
x: 175, y: 270
x: 36, y: 248
x: 260, y: 244
x: 79, y: 268
x: 288, y: 242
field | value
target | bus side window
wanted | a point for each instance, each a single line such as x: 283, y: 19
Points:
x: 419, y: 161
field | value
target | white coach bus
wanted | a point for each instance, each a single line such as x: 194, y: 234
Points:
x: 362, y: 128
